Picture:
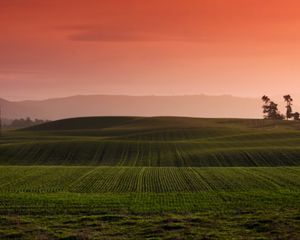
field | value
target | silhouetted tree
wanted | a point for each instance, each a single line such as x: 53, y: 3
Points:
x: 296, y: 116
x: 266, y: 106
x: 289, y: 112
x: 270, y: 109
x: 22, y: 123
x: 266, y: 99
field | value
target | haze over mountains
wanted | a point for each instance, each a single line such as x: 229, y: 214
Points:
x: 224, y: 106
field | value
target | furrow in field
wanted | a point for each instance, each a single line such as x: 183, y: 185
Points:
x: 146, y: 179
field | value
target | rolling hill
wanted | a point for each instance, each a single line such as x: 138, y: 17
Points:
x: 151, y: 177
x: 154, y: 141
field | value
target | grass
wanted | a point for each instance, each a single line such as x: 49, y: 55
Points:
x: 69, y: 189
x: 208, y: 225
x: 144, y: 179
x: 160, y: 141
x: 151, y: 178
x: 142, y: 202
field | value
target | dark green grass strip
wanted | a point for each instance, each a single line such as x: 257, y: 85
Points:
x: 108, y: 153
x: 79, y: 203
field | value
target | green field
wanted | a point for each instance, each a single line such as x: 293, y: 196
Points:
x: 151, y: 178
x: 155, y: 142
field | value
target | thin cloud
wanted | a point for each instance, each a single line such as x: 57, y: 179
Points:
x: 122, y: 37
x: 107, y: 33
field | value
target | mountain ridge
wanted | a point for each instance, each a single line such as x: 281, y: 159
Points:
x: 207, y: 106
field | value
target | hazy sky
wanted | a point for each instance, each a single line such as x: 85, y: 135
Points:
x: 52, y: 48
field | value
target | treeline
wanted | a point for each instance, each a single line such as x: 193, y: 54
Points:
x: 270, y: 109
x: 24, y: 122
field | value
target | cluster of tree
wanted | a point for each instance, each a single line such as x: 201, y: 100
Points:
x: 270, y: 109
x: 22, y: 123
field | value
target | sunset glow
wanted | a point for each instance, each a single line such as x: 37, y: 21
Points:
x: 160, y: 47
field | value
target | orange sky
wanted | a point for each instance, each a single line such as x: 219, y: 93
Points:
x: 51, y: 48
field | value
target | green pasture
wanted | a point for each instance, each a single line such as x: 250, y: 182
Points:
x: 151, y: 178
x: 154, y: 142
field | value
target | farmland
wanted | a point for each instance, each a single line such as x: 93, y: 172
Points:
x: 133, y: 202
x: 154, y: 142
x: 144, y: 179
x: 156, y: 178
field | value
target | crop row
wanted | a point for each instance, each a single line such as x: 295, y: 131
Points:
x: 145, y: 180
x: 128, y: 153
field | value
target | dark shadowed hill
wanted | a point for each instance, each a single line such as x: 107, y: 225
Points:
x: 86, y: 123
x: 103, y: 105
x: 154, y: 141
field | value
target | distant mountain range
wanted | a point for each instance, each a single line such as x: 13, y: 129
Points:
x: 224, y: 106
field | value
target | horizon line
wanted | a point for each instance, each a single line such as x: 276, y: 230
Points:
x: 129, y: 95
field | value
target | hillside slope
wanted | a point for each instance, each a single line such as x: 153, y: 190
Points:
x: 157, y: 141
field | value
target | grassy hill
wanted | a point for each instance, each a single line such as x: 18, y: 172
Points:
x: 151, y: 178
x: 156, y: 141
